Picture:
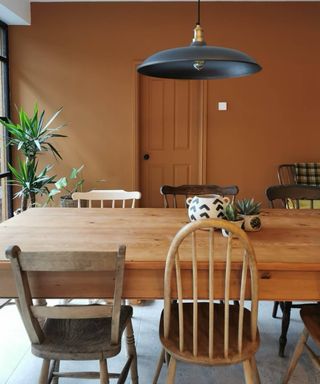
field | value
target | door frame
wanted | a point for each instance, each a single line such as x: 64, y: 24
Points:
x: 136, y: 132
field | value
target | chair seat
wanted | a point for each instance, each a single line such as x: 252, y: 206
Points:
x: 310, y: 315
x: 80, y: 339
x: 171, y: 344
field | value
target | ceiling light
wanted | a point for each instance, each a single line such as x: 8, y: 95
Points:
x: 199, y: 61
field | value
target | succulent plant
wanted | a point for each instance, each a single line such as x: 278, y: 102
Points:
x: 230, y: 213
x: 248, y: 207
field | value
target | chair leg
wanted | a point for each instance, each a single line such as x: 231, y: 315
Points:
x: 54, y: 368
x: 275, y: 309
x: 296, y: 354
x: 159, y: 366
x: 248, y: 374
x: 104, y: 375
x: 171, y: 371
x: 131, y: 350
x: 284, y: 327
x: 43, y: 379
x: 255, y: 371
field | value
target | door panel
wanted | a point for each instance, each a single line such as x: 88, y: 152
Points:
x: 170, y: 124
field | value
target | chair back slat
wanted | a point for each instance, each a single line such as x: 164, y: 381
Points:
x: 191, y: 235
x: 113, y: 196
x: 242, y: 297
x: 211, y: 292
x: 180, y: 303
x: 68, y: 261
x: 189, y: 190
x: 111, y: 262
x: 195, y: 294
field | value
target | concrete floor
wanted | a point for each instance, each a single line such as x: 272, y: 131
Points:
x: 18, y: 365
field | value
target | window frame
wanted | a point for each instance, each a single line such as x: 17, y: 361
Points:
x: 6, y: 105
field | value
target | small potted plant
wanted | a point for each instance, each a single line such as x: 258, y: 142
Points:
x: 68, y: 185
x: 250, y: 211
x: 231, y: 214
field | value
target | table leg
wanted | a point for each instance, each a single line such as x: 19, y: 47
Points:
x: 284, y: 326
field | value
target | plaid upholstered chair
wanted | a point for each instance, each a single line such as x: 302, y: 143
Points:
x: 299, y: 173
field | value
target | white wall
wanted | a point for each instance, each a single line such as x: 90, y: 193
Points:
x: 15, y: 12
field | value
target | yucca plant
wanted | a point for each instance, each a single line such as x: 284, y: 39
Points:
x: 248, y: 207
x: 32, y: 135
x: 30, y: 181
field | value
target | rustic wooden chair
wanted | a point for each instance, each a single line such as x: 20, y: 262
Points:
x: 105, y: 195
x: 75, y: 332
x: 310, y: 315
x: 289, y: 196
x: 182, y: 192
x: 206, y: 331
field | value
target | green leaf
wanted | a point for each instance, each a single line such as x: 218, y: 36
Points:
x: 61, y: 183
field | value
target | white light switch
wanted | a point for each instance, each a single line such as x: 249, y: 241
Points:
x: 222, y: 106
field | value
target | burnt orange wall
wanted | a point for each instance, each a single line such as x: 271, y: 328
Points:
x: 81, y: 56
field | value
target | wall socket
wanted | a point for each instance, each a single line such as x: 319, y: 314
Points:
x: 222, y: 106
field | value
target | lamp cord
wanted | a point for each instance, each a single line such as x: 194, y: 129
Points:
x: 198, y: 22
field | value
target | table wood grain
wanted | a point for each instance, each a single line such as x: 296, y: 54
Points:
x: 287, y: 250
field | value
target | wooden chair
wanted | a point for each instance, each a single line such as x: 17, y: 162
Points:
x: 205, y: 331
x: 289, y: 196
x: 105, y: 195
x: 184, y: 191
x: 75, y: 332
x: 310, y: 315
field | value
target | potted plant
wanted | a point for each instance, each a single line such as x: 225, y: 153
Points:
x: 250, y: 211
x: 231, y: 214
x: 68, y: 185
x: 31, y: 135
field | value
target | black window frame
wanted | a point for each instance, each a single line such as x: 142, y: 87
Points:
x: 6, y: 100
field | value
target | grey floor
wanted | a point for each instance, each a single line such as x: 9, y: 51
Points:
x: 18, y: 365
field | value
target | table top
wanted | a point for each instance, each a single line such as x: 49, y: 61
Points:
x: 287, y: 251
x: 289, y: 237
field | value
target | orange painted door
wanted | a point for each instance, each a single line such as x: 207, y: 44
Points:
x: 170, y: 133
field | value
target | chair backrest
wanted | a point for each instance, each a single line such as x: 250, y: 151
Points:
x: 185, y: 191
x: 219, y: 250
x: 287, y: 174
x: 290, y: 196
x: 105, y: 195
x: 111, y: 262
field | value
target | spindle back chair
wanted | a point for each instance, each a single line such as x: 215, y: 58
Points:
x: 203, y: 330
x: 112, y: 195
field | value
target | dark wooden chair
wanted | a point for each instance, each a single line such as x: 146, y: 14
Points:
x: 75, y: 332
x: 179, y: 194
x: 290, y: 196
x: 310, y: 315
x: 207, y: 332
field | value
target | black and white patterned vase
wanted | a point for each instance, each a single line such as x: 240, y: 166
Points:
x: 207, y: 207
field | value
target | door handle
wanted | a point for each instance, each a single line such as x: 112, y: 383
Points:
x: 146, y: 156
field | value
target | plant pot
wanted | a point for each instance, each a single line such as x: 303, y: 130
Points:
x: 252, y: 223
x: 238, y: 223
x: 67, y: 202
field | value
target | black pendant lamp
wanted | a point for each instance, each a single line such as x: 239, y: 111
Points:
x: 199, y: 61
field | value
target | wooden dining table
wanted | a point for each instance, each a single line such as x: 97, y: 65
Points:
x: 287, y: 251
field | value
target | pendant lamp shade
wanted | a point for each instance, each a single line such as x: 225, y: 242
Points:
x: 216, y: 62
x: 199, y: 61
